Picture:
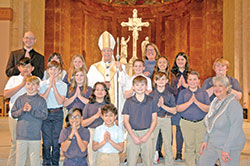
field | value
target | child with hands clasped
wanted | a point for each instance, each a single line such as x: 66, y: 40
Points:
x: 74, y: 140
x: 166, y: 104
x: 78, y: 91
x: 193, y: 105
x: 140, y: 119
x: 108, y: 138
x: 58, y: 58
x: 92, y: 114
x: 53, y: 90
x: 179, y: 76
x: 30, y: 109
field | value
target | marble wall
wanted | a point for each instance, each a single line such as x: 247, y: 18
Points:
x: 192, y: 26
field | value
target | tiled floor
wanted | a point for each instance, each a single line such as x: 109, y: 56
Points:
x: 5, y: 145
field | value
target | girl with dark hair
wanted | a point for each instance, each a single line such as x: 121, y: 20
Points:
x: 92, y: 114
x: 179, y: 72
x: 74, y: 139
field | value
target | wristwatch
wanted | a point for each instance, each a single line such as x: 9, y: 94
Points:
x: 69, y: 139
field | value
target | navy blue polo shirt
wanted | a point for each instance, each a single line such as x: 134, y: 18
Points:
x: 193, y: 112
x: 90, y: 110
x: 77, y: 103
x: 140, y: 113
x: 208, y: 83
x: 74, y: 150
x: 168, y: 98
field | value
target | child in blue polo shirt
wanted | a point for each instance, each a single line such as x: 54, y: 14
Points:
x: 74, y: 140
x: 193, y: 104
x: 108, y: 138
x: 166, y: 104
x: 53, y: 90
x: 140, y: 119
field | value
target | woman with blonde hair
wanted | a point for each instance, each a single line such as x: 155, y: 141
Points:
x: 151, y: 53
x: 77, y: 62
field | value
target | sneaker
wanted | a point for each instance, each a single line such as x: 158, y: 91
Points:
x: 125, y: 162
x: 160, y: 155
x: 156, y: 158
x: 178, y: 158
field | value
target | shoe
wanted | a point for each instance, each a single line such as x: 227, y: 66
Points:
x: 160, y: 154
x: 125, y: 162
x: 216, y: 165
x: 178, y: 158
x: 156, y: 158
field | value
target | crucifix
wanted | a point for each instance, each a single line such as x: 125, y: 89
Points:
x: 134, y: 24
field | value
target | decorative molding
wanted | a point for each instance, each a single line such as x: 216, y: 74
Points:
x: 6, y: 14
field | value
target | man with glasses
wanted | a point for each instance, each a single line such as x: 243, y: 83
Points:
x: 37, y: 59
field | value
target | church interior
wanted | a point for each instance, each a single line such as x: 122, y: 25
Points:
x: 204, y: 29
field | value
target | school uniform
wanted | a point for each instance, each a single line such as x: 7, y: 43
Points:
x: 77, y: 103
x: 74, y: 156
x: 13, y: 82
x: 164, y: 123
x: 108, y: 155
x: 177, y: 117
x: 52, y: 126
x: 192, y: 124
x: 88, y: 111
x: 28, y: 136
x: 140, y: 119
x: 208, y: 83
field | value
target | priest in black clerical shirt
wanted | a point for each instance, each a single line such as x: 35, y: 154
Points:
x: 36, y: 59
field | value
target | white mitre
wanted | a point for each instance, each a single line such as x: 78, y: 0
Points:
x: 106, y: 40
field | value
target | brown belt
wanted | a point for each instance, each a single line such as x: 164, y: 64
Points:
x: 53, y: 110
x: 165, y: 116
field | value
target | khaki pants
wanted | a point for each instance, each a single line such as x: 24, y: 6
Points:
x: 91, y: 154
x: 145, y: 149
x: 107, y: 159
x: 193, y: 134
x: 164, y: 124
x: 12, y: 155
x: 28, y: 149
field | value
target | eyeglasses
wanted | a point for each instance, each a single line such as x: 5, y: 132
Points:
x: 29, y: 38
x: 75, y: 117
x: 150, y: 50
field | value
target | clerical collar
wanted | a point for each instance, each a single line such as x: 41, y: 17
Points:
x: 28, y: 49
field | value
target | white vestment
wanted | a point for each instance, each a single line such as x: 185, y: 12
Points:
x: 97, y: 74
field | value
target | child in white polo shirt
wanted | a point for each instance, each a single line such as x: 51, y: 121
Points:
x: 108, y: 138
